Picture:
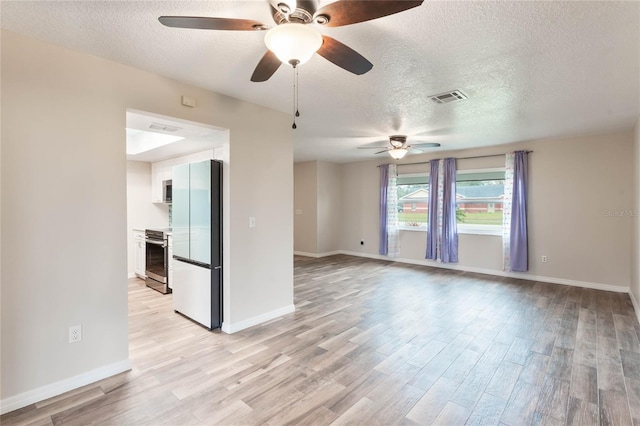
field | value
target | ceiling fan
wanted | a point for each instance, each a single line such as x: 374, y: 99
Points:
x: 292, y: 40
x: 398, y: 147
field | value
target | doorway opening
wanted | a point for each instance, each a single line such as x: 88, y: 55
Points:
x: 155, y: 144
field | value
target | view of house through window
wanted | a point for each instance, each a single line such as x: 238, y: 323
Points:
x: 479, y: 196
x: 412, y: 204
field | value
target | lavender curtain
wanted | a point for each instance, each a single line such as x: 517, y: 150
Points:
x: 384, y: 185
x: 432, y: 209
x: 518, y: 234
x: 449, y: 244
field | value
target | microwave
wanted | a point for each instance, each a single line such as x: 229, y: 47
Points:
x: 166, y: 191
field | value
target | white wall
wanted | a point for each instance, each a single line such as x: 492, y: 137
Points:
x: 141, y: 212
x: 305, y: 197
x: 635, y: 241
x: 64, y: 230
x: 329, y: 199
x: 360, y: 207
x: 261, y: 186
x: 317, y: 198
x: 576, y: 186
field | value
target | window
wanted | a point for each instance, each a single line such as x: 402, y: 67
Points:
x: 480, y: 200
x: 413, y: 193
x: 479, y: 196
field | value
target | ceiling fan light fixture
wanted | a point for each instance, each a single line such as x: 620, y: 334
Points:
x: 293, y: 43
x: 398, y: 153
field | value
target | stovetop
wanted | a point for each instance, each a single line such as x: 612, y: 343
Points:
x: 165, y: 230
x: 157, y: 233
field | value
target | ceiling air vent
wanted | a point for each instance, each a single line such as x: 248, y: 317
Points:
x: 164, y: 127
x: 445, y: 98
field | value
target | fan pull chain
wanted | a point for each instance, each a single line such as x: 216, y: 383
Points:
x: 297, y: 91
x: 296, y: 113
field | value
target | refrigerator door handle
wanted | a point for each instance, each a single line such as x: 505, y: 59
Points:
x: 192, y: 262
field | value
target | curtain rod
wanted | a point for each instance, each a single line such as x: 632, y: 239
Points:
x: 461, y: 158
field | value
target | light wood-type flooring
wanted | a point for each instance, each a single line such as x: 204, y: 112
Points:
x: 375, y: 342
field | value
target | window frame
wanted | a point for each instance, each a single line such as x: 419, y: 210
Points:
x: 493, y: 230
x: 413, y: 175
x: 464, y: 228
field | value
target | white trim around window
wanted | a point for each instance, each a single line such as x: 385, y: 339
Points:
x: 495, y: 230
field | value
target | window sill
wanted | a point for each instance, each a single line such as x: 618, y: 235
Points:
x: 480, y: 230
x: 413, y: 228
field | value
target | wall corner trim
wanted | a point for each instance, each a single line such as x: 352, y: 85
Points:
x: 54, y: 389
x: 636, y: 305
x: 231, y: 328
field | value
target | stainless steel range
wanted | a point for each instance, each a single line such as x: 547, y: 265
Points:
x: 157, y: 262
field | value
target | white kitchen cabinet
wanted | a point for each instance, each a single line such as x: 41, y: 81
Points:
x: 139, y: 251
x: 170, y: 261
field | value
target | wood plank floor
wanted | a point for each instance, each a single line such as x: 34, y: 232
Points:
x: 374, y: 342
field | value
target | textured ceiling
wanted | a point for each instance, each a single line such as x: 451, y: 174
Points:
x: 530, y: 69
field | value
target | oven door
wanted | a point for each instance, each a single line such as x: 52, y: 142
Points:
x: 156, y: 261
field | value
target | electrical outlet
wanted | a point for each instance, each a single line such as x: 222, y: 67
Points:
x: 75, y: 333
x: 544, y: 259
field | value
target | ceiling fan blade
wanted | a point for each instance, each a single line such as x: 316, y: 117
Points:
x: 370, y: 147
x: 348, y: 12
x: 426, y: 145
x: 386, y: 150
x: 266, y: 67
x: 204, y: 23
x: 344, y: 56
x: 413, y: 150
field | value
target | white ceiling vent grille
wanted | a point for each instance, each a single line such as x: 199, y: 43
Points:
x: 448, y: 97
x: 164, y: 127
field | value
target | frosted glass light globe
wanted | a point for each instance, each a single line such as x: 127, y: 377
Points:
x: 397, y: 153
x: 293, y: 43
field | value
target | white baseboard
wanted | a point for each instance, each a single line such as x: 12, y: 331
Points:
x: 134, y: 275
x: 519, y: 275
x: 636, y: 305
x: 54, y: 389
x: 259, y: 319
x: 317, y: 255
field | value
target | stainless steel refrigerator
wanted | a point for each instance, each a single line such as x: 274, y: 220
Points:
x: 197, y: 242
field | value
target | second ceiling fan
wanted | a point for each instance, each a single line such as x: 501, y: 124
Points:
x: 293, y: 40
x: 398, y: 147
